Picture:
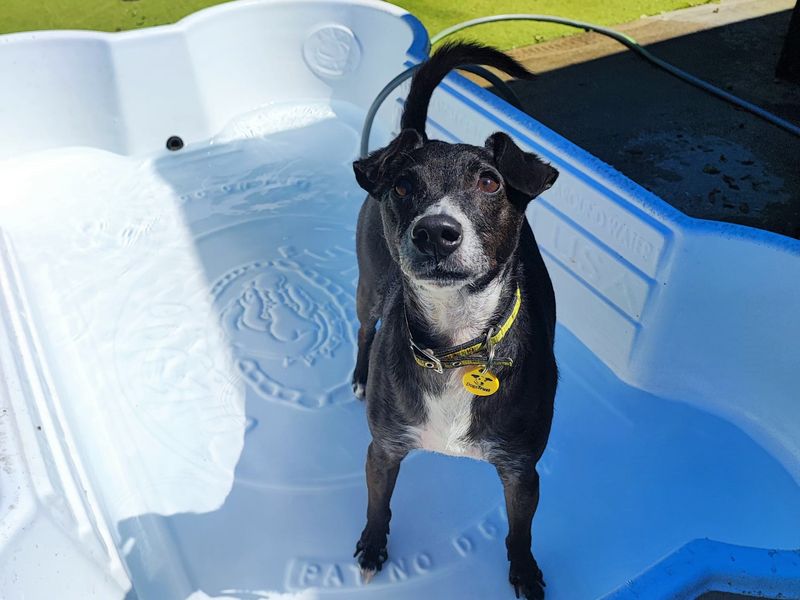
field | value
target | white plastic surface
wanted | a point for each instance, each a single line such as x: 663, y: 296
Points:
x: 177, y: 334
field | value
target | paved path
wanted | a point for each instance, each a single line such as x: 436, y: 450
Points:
x: 698, y: 153
x: 647, y: 30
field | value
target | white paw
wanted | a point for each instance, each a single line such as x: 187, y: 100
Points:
x: 367, y: 574
x: 359, y: 390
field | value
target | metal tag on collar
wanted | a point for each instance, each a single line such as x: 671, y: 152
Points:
x: 489, y: 351
x: 433, y: 362
x: 482, y: 381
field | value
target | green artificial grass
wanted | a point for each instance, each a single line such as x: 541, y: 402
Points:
x: 100, y: 15
x: 121, y: 15
x: 437, y: 15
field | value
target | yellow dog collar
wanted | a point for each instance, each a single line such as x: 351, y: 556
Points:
x: 478, y: 351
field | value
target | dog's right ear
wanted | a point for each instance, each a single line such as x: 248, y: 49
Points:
x: 371, y: 171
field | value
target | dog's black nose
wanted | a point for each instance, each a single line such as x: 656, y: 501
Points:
x: 437, y: 234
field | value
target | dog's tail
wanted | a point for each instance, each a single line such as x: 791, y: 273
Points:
x: 450, y: 56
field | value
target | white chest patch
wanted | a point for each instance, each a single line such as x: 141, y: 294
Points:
x: 449, y: 419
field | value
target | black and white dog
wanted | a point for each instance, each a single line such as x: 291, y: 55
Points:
x: 463, y: 361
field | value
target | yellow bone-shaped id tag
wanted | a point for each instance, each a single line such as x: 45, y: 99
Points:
x: 480, y: 382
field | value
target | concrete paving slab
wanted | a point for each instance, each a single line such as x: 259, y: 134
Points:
x: 700, y: 154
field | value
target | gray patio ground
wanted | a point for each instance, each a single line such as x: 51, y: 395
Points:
x: 700, y: 154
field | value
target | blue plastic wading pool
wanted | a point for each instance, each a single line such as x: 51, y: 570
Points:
x: 177, y: 337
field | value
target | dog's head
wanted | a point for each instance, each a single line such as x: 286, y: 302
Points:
x: 452, y: 213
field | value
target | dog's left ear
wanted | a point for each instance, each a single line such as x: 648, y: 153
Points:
x: 523, y: 171
x: 371, y: 171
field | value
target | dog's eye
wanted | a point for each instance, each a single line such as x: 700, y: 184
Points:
x: 402, y: 188
x: 488, y: 184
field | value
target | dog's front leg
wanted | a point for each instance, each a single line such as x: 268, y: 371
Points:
x: 367, y: 298
x: 366, y: 334
x: 382, y: 470
x: 521, y: 489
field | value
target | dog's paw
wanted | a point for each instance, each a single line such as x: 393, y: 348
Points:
x: 370, y: 559
x: 526, y: 578
x: 359, y: 381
